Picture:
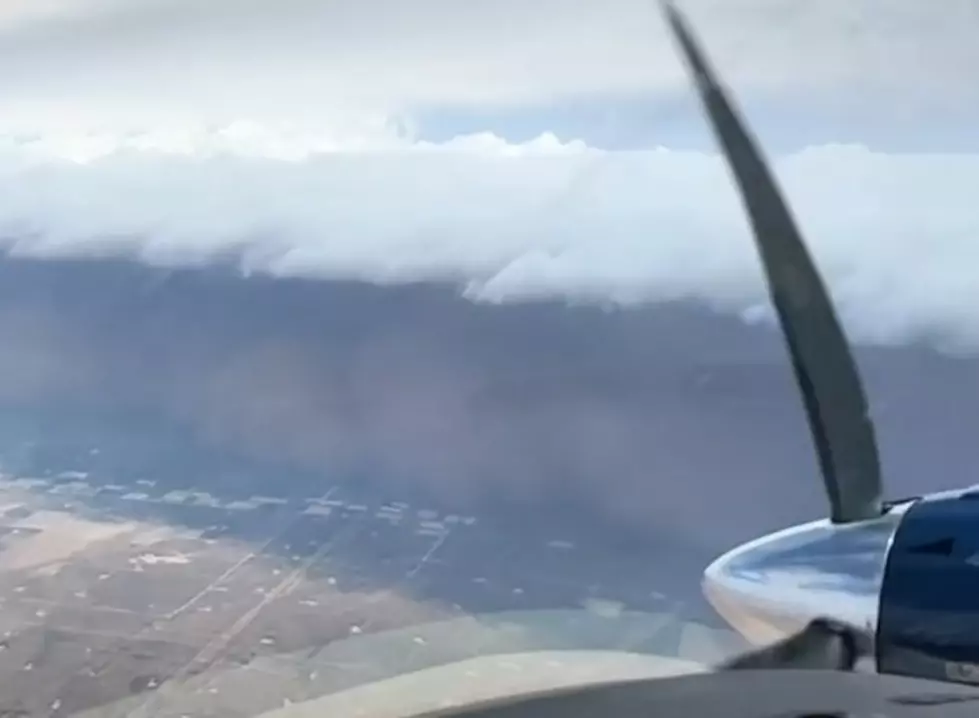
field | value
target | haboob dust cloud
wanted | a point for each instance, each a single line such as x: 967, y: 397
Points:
x: 282, y: 139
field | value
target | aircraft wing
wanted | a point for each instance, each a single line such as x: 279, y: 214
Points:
x: 476, y: 681
x: 735, y: 694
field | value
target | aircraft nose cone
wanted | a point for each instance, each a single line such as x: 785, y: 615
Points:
x: 773, y: 586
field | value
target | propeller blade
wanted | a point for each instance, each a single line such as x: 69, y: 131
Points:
x: 834, y: 398
x: 821, y: 645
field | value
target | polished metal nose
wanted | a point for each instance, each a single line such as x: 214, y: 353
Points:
x: 773, y: 586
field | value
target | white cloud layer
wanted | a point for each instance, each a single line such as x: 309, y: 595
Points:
x: 98, y: 61
x: 896, y: 235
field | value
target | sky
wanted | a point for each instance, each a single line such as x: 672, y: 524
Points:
x: 600, y: 68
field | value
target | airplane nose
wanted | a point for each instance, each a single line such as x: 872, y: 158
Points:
x: 773, y: 586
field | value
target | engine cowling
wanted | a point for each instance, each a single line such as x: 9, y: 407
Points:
x: 909, y: 579
x: 928, y: 615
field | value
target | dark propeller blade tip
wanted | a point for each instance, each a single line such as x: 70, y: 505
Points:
x: 821, y: 645
x: 826, y: 373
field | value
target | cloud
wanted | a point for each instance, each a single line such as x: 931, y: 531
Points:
x: 896, y: 235
x: 102, y: 61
